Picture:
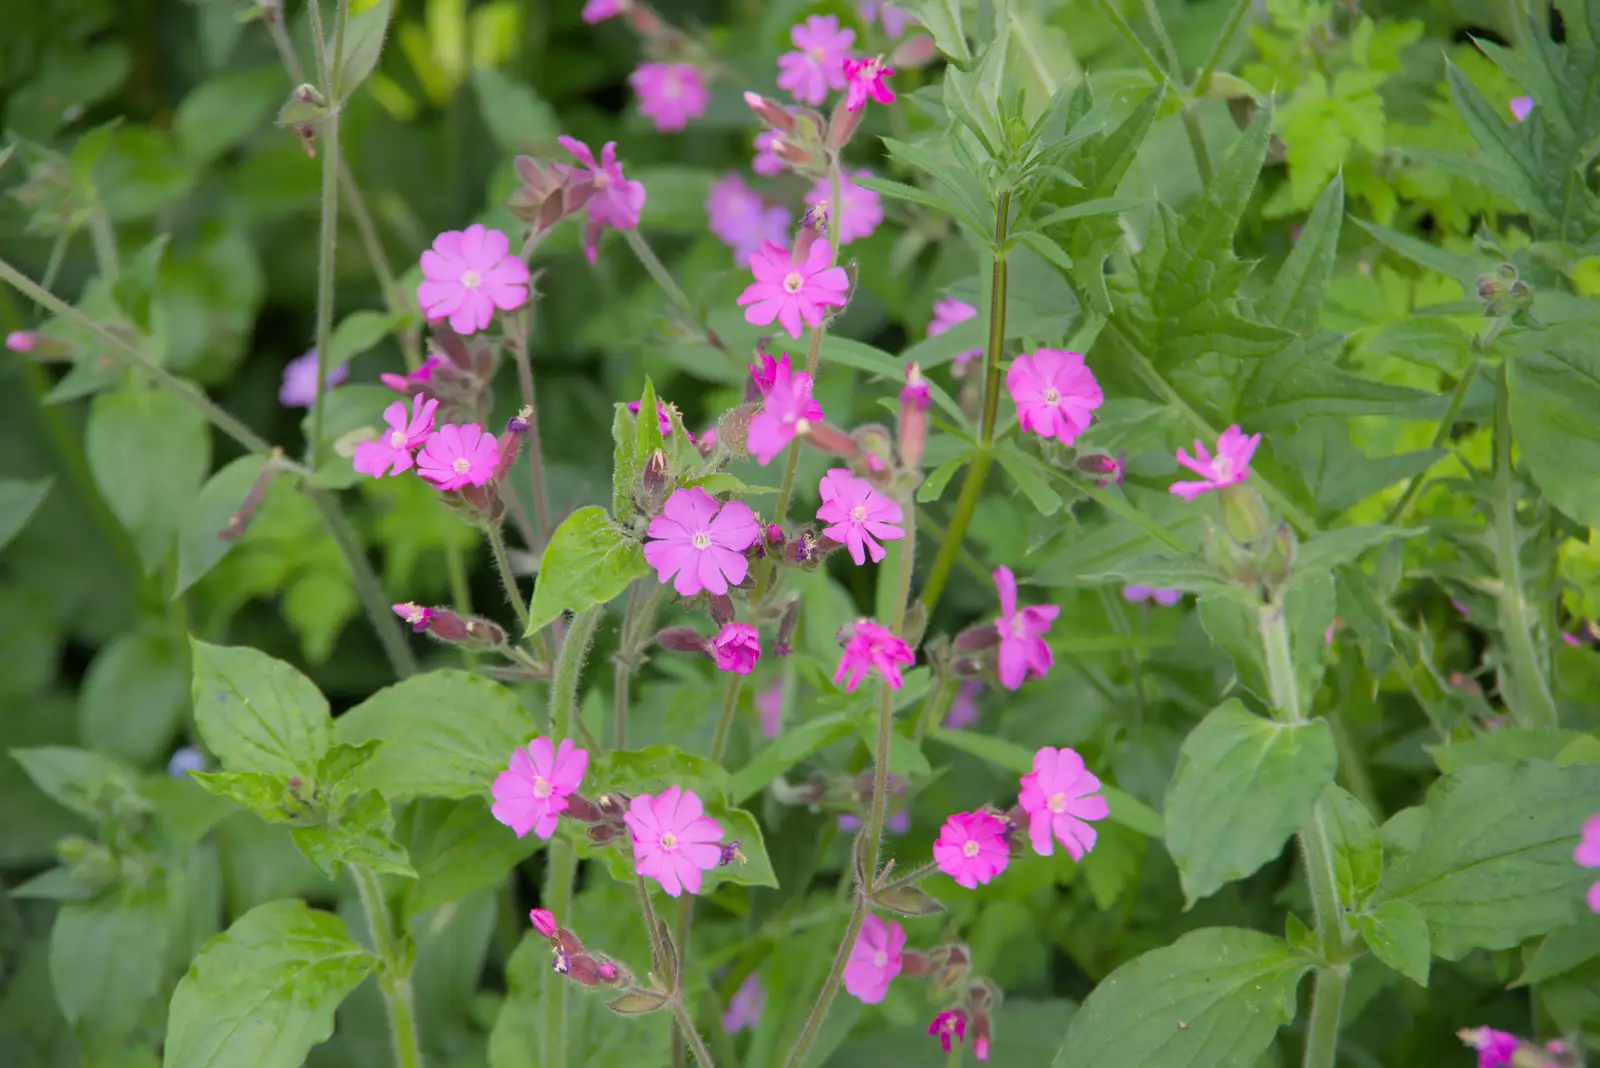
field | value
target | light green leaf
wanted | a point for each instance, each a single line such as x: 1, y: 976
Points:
x: 1328, y: 549
x: 149, y: 453
x: 912, y: 194
x: 106, y: 958
x: 723, y: 483
x: 1352, y: 836
x: 265, y: 795
x: 1047, y: 250
x: 256, y: 713
x: 1242, y: 786
x: 787, y: 750
x: 264, y: 992
x: 1464, y: 269
x: 133, y: 696
x: 357, y: 333
x: 1554, y: 378
x: 1030, y: 476
x: 1086, y: 208
x: 18, y: 501
x: 652, y: 770
x: 589, y: 561
x: 1398, y: 935
x: 361, y: 832
x: 624, y: 463
x: 457, y: 848
x: 1213, y: 999
x: 647, y: 425
x: 1563, y: 949
x: 518, y: 120
x: 1504, y: 746
x: 83, y: 781
x: 933, y: 486
x: 221, y: 112
x: 942, y: 18
x: 201, y: 545
x: 363, y: 45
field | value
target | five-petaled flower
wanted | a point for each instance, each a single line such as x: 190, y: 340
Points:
x: 857, y: 514
x: 609, y: 198
x: 866, y: 78
x: 456, y: 455
x: 950, y: 1027
x: 736, y: 648
x: 467, y: 275
x: 1059, y: 797
x: 1588, y: 855
x: 972, y: 848
x: 875, y: 959
x: 534, y: 791
x: 788, y: 409
x: 701, y: 542
x: 818, y: 64
x: 1230, y: 466
x: 673, y: 839
x: 1055, y: 393
x: 790, y: 292
x: 394, y: 449
x: 870, y: 646
x: 670, y: 94
x: 1023, y: 650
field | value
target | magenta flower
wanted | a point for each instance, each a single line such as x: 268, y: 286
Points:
x: 739, y: 218
x: 871, y: 646
x: 947, y: 312
x: 1059, y: 796
x: 544, y: 921
x: 790, y: 292
x: 874, y: 959
x: 818, y: 65
x: 1521, y: 107
x: 895, y: 20
x: 469, y: 273
x: 1229, y: 467
x: 1496, y: 1049
x: 769, y: 706
x: 456, y: 455
x: 1054, y: 392
x: 972, y: 848
x: 1139, y: 594
x: 744, y: 1010
x: 861, y: 211
x: 1588, y: 855
x: 663, y: 419
x: 534, y: 791
x: 767, y: 161
x: 763, y: 376
x: 788, y: 409
x: 404, y: 383
x: 670, y: 94
x: 736, y: 648
x: 673, y: 839
x: 894, y: 823
x: 701, y: 542
x: 1023, y: 650
x: 951, y: 1027
x: 600, y: 10
x: 857, y: 515
x: 299, y: 388
x: 394, y: 448
x: 866, y: 78
x: 964, y: 709
x: 415, y: 614
x: 610, y: 199
x: 24, y: 341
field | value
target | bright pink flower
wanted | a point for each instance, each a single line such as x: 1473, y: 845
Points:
x: 1521, y: 107
x: 1229, y: 467
x: 23, y: 341
x: 673, y: 839
x: 299, y: 388
x: 769, y: 706
x: 915, y: 394
x: 736, y: 648
x: 857, y: 514
x: 875, y: 959
x: 744, y: 1010
x: 767, y: 162
x: 766, y: 373
x: 1023, y: 650
x: 1496, y: 1049
x: 980, y: 1048
x: 1588, y: 855
x: 1054, y: 392
x: 951, y: 1027
x: 394, y: 448
x: 663, y: 419
x: 895, y: 20
x: 469, y: 273
x: 612, y: 200
x: 861, y: 211
x: 947, y: 312
x: 600, y: 10
x: 737, y: 215
x: 871, y: 646
x: 414, y: 614
x: 790, y: 292
x: 1059, y: 796
x: 818, y: 65
x: 530, y: 795
x: 964, y: 709
x: 456, y: 455
x: 972, y: 848
x: 701, y: 542
x: 788, y: 409
x: 544, y: 921
x: 866, y: 79
x: 1164, y: 598
x: 670, y: 94
x: 403, y: 383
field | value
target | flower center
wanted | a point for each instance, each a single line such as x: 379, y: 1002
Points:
x: 817, y: 55
x: 970, y: 849
x: 461, y: 465
x: 541, y: 786
x: 669, y: 841
x: 601, y: 179
x: 471, y: 279
x: 701, y: 540
x: 1058, y: 802
x: 1221, y: 469
x: 672, y: 89
x: 793, y: 282
x: 397, y: 440
x: 859, y: 513
x: 880, y: 959
x: 1052, y: 396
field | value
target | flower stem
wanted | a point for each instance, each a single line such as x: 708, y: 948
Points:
x: 1327, y: 1001
x: 541, y: 498
x: 455, y: 565
x: 561, y: 870
x: 687, y: 1029
x: 1219, y: 46
x: 393, y: 981
x: 669, y: 285
x: 497, y: 545
x: 328, y: 137
x: 934, y: 707
x: 1440, y: 435
x: 569, y: 671
x: 662, y: 962
x: 830, y: 986
x: 908, y: 562
x: 368, y: 589
x: 636, y: 618
x: 730, y: 701
x: 105, y: 243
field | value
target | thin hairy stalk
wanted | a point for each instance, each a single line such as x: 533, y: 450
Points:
x: 328, y: 233
x: 687, y: 1029
x: 956, y: 1049
x: 1230, y: 26
x: 497, y: 545
x: 1327, y: 1003
x: 369, y: 590
x: 669, y: 285
x: 569, y: 671
x: 394, y: 980
x: 908, y: 564
x: 936, y: 534
x: 1440, y: 435
x: 455, y: 566
x: 730, y: 702
x: 58, y: 253
x: 530, y: 402
x: 636, y: 619
x: 830, y: 986
x: 1152, y: 14
x: 663, y: 965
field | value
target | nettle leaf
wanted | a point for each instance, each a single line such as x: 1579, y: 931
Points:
x: 1554, y: 378
x: 589, y: 561
x: 457, y: 848
x: 256, y: 713
x: 1352, y: 836
x: 1242, y: 786
x: 1213, y: 999
x: 1328, y: 549
x: 106, y: 958
x: 265, y: 795
x: 264, y: 992
x: 1490, y: 883
x: 1397, y: 934
x: 149, y: 453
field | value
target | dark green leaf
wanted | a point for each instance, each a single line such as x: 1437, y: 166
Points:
x: 363, y: 45
x: 1295, y: 300
x: 149, y: 452
x: 1352, y: 835
x: 106, y: 958
x: 220, y: 113
x: 517, y: 119
x: 256, y: 713
x: 588, y: 562
x: 18, y: 501
x: 1563, y: 949
x: 201, y: 545
x: 1398, y: 935
x: 787, y: 750
x: 942, y: 18
x: 1031, y: 477
x: 1554, y: 378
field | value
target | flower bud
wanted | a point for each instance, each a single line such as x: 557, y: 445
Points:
x: 446, y: 625
x: 584, y: 969
x: 842, y: 124
x: 417, y: 615
x: 653, y: 483
x: 1280, y: 557
x: 484, y: 634
x: 913, y: 964
x: 721, y: 607
x: 544, y: 922
x: 912, y: 429
x: 783, y: 645
x: 645, y: 23
x: 915, y: 51
x: 21, y: 341
x: 773, y: 114
x: 774, y: 534
x: 1106, y: 469
x: 601, y: 833
x: 978, y: 638
x: 829, y: 439
x: 680, y: 640
x: 510, y: 445
x: 1243, y: 512
x: 734, y: 430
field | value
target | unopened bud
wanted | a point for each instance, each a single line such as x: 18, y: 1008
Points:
x: 585, y: 970
x: 965, y: 667
x: 485, y: 634
x: 645, y: 23
x: 734, y: 430
x: 582, y: 809
x: 21, y: 341
x: 770, y: 112
x: 601, y: 833
x: 842, y: 124
x: 721, y: 607
x: 1243, y: 512
x: 915, y: 51
x: 912, y: 429
x: 544, y: 922
x: 913, y: 964
x: 308, y: 94
x: 653, y: 482
x: 1106, y: 469
x: 239, y: 521
x: 774, y: 534
x: 978, y: 638
x: 680, y: 640
x: 510, y: 445
x: 830, y: 439
x: 447, y: 626
x: 783, y: 644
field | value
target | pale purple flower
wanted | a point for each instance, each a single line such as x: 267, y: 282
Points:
x: 972, y: 848
x: 866, y: 79
x: 870, y: 646
x: 1023, y: 650
x: 964, y: 709
x: 767, y: 161
x: 455, y: 456
x: 674, y: 841
x: 1521, y: 107
x: 894, y: 823
x: 736, y: 214
x: 533, y: 791
x: 24, y: 341
x: 1588, y: 855
x: 1055, y: 393
x: 394, y: 449
x: 1230, y: 466
x: 861, y: 211
x: 468, y: 275
x: 894, y: 19
x: 600, y: 10
x: 184, y: 761
x: 744, y: 1010
x: 1060, y: 799
x: 947, y: 312
x: 736, y: 648
x: 787, y: 410
x: 701, y: 542
x: 670, y: 94
x: 792, y: 292
x: 1139, y: 594
x: 857, y: 515
x: 817, y: 65
x: 875, y: 959
x: 611, y: 199
x: 299, y: 388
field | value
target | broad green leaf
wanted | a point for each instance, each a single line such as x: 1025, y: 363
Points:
x: 1308, y: 611
x: 1328, y: 549
x: 589, y: 561
x: 1352, y: 835
x: 1488, y: 883
x: 1562, y: 950
x: 1030, y: 476
x: 739, y: 826
x: 722, y: 482
x: 133, y: 696
x: 256, y: 713
x: 1584, y: 749
x: 652, y: 770
x: 106, y: 959
x: 86, y: 782
x: 268, y: 796
x: 363, y: 45
x: 149, y: 452
x: 1554, y: 378
x: 517, y: 119
x: 1435, y: 343
x: 905, y: 758
x: 18, y: 501
x: 1242, y: 786
x: 787, y: 750
x: 942, y: 18
x: 1504, y: 746
x: 356, y: 334
x: 457, y: 848
x: 360, y: 832
x: 1398, y: 935
x: 1213, y: 999
x: 444, y: 734
x: 221, y: 112
x: 264, y: 992
x: 201, y: 545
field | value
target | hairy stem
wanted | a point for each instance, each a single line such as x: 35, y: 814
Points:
x: 369, y: 590
x: 497, y: 545
x: 541, y: 498
x: 561, y: 870
x: 636, y: 619
x: 1327, y: 1001
x: 1230, y: 26
x: 1197, y: 145
x: 934, y: 708
x: 393, y: 982
x: 569, y: 671
x: 687, y: 1029
x: 455, y: 565
x: 1440, y: 436
x: 1143, y: 54
x: 328, y: 234
x: 105, y: 243
x: 730, y: 702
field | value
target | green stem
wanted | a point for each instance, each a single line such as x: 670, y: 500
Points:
x: 1197, y: 145
x: 730, y: 702
x: 636, y: 619
x: 327, y: 237
x: 1230, y: 26
x: 1440, y: 435
x: 669, y: 285
x: 1117, y: 613
x: 830, y: 986
x: 1125, y: 31
x: 455, y: 566
x: 691, y: 1035
x: 935, y: 533
x: 569, y: 672
x: 368, y: 589
x: 393, y: 982
x: 954, y: 1060
x: 1284, y: 686
x: 1327, y: 1002
x: 105, y: 243
x: 497, y: 545
x: 562, y: 869
x: 1152, y: 14
x: 541, y: 498
x: 58, y: 253
x: 934, y: 707
x: 662, y: 961
x: 908, y: 564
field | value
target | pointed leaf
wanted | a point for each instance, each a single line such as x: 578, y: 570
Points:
x: 589, y: 561
x: 256, y: 713
x: 1295, y: 299
x: 1398, y: 935
x: 363, y: 45
x: 18, y: 501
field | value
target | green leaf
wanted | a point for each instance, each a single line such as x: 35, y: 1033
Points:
x: 1352, y: 836
x: 1563, y: 949
x: 647, y: 425
x: 361, y: 832
x: 83, y: 781
x: 624, y: 464
x: 444, y: 734
x: 1295, y: 300
x: 1435, y: 343
x: 652, y: 770
x: 1464, y: 269
x: 201, y: 545
x: 1047, y: 250
x: 363, y: 45
x: 739, y: 826
x: 1398, y: 935
x: 1554, y: 378
x: 357, y: 333
x: 1504, y: 154
x: 962, y: 194
x: 914, y: 195
x: 1488, y: 883
x: 106, y: 959
x: 723, y: 483
x: 221, y: 112
x: 1242, y: 786
x: 149, y: 453
x: 256, y: 713
x: 942, y: 18
x: 1328, y: 549
x: 457, y: 848
x: 265, y: 795
x: 1504, y: 746
x: 933, y: 486
x: 518, y: 120
x: 18, y: 501
x: 886, y: 368
x: 133, y: 696
x: 589, y: 561
x: 1213, y: 999
x: 1087, y: 208
x: 264, y: 992
x: 787, y: 750
x: 1030, y: 476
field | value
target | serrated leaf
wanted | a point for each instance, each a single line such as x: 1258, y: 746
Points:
x: 1295, y: 298
x: 1398, y: 935
x: 588, y: 562
x: 363, y: 45
x: 1328, y: 549
x: 1520, y: 178
x: 256, y: 713
x: 361, y: 832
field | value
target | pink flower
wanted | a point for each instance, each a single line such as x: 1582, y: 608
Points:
x: 857, y: 514
x: 1054, y: 392
x: 663, y: 419
x: 403, y: 383
x: 543, y: 920
x: 600, y: 10
x: 457, y: 455
x: 1229, y: 467
x: 972, y: 848
x: 701, y: 542
x: 1164, y: 598
x: 895, y: 20
x: 947, y: 312
x: 299, y: 389
x: 1059, y: 795
x: 670, y: 94
x: 530, y: 795
x: 964, y: 709
x: 790, y: 292
x: 894, y: 823
x: 673, y: 839
x: 739, y: 218
x: 871, y: 646
x: 1521, y: 107
x: 611, y: 199
x: 861, y: 211
x: 1496, y: 1049
x: 818, y: 66
x: 874, y: 959
x: 469, y: 274
x: 767, y: 161
x: 1588, y: 855
x: 414, y: 614
x: 395, y: 448
x: 951, y: 1027
x: 788, y: 409
x: 24, y: 341
x: 744, y: 1010
x: 866, y: 79
x: 915, y: 394
x: 1023, y: 650
x: 763, y: 376
x: 736, y: 648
